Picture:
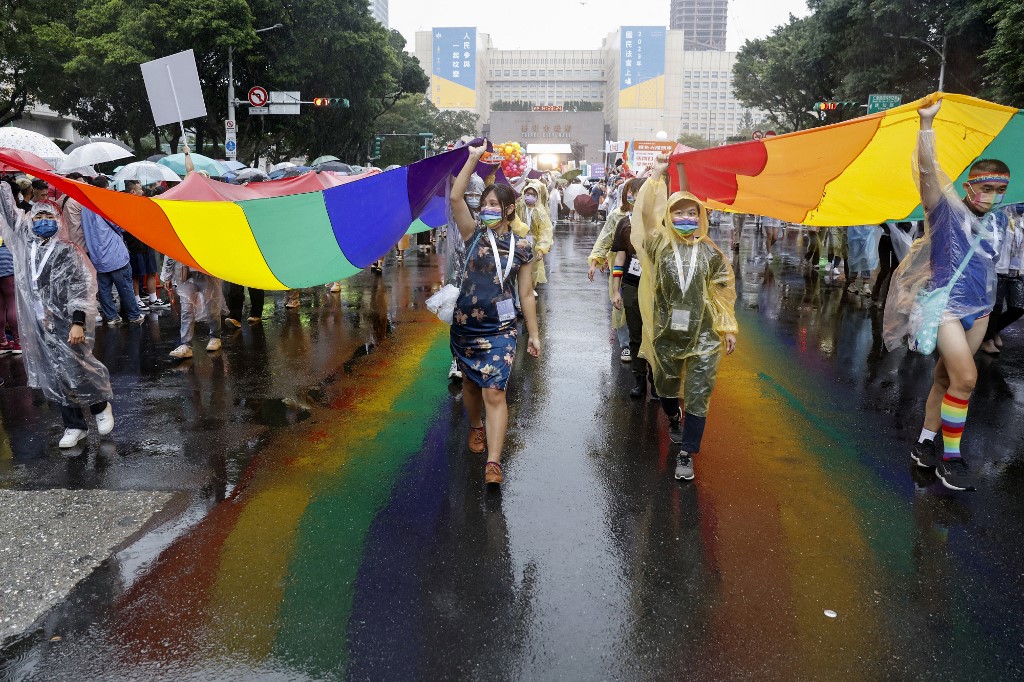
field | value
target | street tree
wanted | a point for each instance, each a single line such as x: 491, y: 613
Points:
x: 25, y: 61
x: 694, y: 140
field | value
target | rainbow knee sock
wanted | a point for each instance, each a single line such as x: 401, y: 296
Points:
x: 954, y: 414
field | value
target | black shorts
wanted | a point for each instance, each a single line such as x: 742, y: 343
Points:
x: 144, y: 263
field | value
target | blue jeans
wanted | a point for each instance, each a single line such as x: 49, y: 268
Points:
x: 122, y: 279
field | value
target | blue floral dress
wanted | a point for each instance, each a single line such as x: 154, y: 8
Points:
x: 483, y: 343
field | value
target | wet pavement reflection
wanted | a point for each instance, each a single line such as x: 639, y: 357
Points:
x: 330, y: 523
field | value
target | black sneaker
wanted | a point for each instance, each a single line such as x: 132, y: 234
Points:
x: 675, y: 429
x: 639, y: 391
x: 955, y: 474
x: 924, y: 454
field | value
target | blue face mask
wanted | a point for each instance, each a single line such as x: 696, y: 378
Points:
x: 45, y: 228
x: 490, y: 217
x: 685, y: 226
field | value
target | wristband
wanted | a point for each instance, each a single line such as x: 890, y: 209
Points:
x: 618, y: 270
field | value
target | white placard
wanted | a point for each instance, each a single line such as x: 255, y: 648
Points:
x: 172, y: 84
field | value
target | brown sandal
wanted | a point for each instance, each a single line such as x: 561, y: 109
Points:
x: 493, y: 473
x: 477, y: 439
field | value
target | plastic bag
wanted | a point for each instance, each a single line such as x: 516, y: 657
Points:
x: 443, y: 303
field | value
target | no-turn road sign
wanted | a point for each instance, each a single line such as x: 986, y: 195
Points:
x: 258, y: 96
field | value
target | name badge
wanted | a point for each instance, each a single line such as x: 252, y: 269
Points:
x: 506, y: 310
x: 680, y: 319
x: 634, y: 267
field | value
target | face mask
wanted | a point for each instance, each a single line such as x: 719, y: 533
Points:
x: 44, y: 228
x: 530, y: 200
x: 685, y: 226
x: 985, y: 201
x: 490, y: 217
x: 473, y: 201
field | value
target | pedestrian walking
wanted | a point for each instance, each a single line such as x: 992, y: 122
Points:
x: 9, y: 215
x: 200, y: 298
x: 626, y: 274
x: 1009, y: 306
x: 687, y: 300
x: 236, y: 300
x: 602, y: 258
x: 143, y: 262
x: 531, y: 210
x: 942, y: 294
x: 56, y: 295
x: 484, y: 327
x: 862, y: 245
x: 772, y: 229
x: 892, y: 248
x: 109, y: 255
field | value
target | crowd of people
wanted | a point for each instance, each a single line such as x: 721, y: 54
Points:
x: 949, y: 284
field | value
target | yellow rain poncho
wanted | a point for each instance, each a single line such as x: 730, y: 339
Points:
x: 539, y: 223
x: 687, y: 310
x: 599, y: 254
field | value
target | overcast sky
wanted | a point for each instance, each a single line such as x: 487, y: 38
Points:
x: 574, y: 24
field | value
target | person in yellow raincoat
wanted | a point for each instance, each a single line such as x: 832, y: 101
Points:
x: 601, y: 259
x: 687, y: 300
x: 532, y: 211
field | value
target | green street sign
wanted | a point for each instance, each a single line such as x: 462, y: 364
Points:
x: 877, y: 103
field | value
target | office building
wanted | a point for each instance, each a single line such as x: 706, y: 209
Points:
x: 703, y: 23
x: 379, y: 10
x: 642, y: 80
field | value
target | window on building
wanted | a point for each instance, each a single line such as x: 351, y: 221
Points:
x: 515, y: 72
x: 533, y: 72
x: 507, y: 73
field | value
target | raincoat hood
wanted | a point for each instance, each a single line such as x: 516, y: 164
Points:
x: 53, y: 209
x: 539, y: 188
x: 702, y: 217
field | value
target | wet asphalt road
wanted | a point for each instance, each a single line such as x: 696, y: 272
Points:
x: 329, y: 523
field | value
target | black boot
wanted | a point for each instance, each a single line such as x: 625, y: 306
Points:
x: 639, y: 390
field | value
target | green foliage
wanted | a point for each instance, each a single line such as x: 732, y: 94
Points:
x: 1006, y: 53
x: 25, y: 62
x: 414, y: 114
x: 511, y: 105
x: 695, y: 140
x: 583, y: 105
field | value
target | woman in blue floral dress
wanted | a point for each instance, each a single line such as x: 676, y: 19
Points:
x: 485, y: 325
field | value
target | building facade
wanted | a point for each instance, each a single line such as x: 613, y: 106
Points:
x: 379, y: 10
x: 703, y: 23
x: 642, y: 80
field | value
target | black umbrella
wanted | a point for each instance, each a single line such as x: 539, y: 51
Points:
x: 156, y: 157
x: 90, y: 140
x: 336, y: 166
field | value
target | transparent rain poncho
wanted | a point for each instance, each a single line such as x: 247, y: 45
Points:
x: 917, y: 303
x: 862, y: 245
x: 201, y: 292
x: 539, y: 227
x: 53, y: 280
x: 686, y: 310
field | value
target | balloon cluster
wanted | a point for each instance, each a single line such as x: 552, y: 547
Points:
x: 514, y: 162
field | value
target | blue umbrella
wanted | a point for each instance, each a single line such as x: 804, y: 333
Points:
x: 176, y: 162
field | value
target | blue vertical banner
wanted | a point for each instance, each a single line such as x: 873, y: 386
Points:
x: 453, y: 68
x: 642, y: 67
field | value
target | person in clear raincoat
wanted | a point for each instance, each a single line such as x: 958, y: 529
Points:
x: 862, y: 249
x: 942, y: 293
x: 532, y: 211
x: 56, y: 295
x: 687, y: 300
x: 201, y: 298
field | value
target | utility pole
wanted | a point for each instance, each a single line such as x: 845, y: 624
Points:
x: 231, y: 72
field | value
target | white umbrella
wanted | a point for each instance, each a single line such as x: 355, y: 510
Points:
x: 283, y: 164
x: 28, y: 141
x: 87, y: 171
x: 146, y: 172
x: 93, y: 153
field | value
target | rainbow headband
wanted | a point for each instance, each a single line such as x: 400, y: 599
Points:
x: 988, y: 177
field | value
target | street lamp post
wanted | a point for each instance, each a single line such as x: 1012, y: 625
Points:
x: 941, y: 53
x: 231, y: 72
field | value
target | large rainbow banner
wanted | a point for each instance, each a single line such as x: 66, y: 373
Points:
x: 277, y: 235
x: 854, y: 173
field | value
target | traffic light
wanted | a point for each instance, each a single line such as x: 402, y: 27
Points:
x: 377, y: 141
x: 835, y: 106
x: 330, y: 102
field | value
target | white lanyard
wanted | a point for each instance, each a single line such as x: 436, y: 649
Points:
x: 42, y: 264
x: 497, y: 258
x: 684, y: 283
x: 529, y: 217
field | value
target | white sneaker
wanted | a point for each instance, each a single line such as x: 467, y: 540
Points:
x: 769, y: 257
x: 836, y: 272
x: 72, y: 437
x: 213, y: 345
x: 105, y: 420
x: 455, y: 372
x: 866, y: 289
x: 626, y: 356
x: 181, y: 352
